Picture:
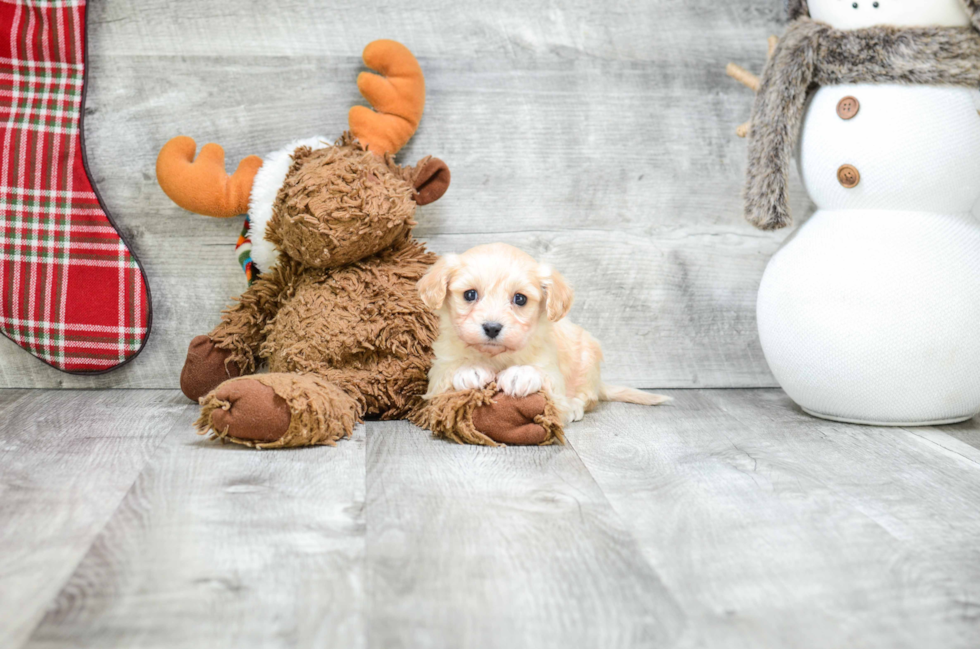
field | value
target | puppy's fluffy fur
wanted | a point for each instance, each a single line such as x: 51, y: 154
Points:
x: 502, y: 319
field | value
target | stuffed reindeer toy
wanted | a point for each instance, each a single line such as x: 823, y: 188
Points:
x: 332, y: 307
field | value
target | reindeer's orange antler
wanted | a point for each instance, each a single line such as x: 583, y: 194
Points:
x: 203, y: 186
x: 398, y: 97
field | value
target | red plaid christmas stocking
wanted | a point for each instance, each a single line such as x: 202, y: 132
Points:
x: 71, y: 292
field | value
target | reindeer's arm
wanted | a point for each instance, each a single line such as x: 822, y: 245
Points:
x: 232, y: 348
x: 243, y: 325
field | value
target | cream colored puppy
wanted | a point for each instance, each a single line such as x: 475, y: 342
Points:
x: 501, y: 316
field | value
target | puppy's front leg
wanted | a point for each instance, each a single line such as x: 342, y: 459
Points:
x: 520, y: 380
x: 575, y: 411
x: 472, y: 377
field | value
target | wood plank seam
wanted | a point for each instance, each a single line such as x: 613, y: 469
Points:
x: 95, y: 537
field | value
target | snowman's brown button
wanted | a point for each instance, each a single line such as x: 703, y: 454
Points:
x: 848, y: 176
x: 848, y: 107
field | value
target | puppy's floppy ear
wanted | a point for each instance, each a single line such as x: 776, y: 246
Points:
x: 434, y: 285
x: 558, y: 294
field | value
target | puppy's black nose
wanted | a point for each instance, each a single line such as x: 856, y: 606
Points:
x: 492, y: 329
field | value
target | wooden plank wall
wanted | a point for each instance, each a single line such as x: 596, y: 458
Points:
x: 598, y: 136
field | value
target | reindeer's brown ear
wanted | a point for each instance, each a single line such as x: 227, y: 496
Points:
x: 434, y: 285
x: 431, y: 181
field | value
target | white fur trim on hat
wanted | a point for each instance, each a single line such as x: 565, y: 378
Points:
x: 265, y: 188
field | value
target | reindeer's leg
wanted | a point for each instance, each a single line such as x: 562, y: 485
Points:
x: 279, y: 410
x: 488, y: 418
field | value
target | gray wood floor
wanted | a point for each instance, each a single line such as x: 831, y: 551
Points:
x: 728, y: 519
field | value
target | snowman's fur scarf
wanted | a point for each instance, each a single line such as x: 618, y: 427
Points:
x: 973, y: 8
x: 796, y: 8
x: 813, y: 54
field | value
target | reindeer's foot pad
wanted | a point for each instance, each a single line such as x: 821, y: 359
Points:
x: 515, y: 421
x: 205, y: 368
x: 489, y: 418
x: 248, y: 410
x: 278, y: 410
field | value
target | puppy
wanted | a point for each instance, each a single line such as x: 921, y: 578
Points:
x: 501, y: 319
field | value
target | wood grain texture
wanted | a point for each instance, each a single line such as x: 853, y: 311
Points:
x: 223, y: 546
x: 509, y: 547
x: 967, y: 432
x: 67, y: 459
x: 728, y: 519
x: 772, y: 528
x: 598, y: 136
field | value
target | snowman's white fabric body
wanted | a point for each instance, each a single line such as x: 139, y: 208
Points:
x: 870, y: 313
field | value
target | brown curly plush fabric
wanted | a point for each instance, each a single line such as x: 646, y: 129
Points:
x: 340, y: 204
x: 451, y: 416
x: 338, y: 320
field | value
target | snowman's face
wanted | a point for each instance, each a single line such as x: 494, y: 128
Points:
x: 856, y: 14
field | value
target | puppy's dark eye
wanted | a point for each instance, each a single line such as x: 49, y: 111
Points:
x: 520, y: 299
x: 470, y: 295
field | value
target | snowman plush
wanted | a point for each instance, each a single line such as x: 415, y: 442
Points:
x: 870, y: 312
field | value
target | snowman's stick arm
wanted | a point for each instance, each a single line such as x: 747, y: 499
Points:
x: 773, y: 41
x: 743, y: 76
x: 749, y: 80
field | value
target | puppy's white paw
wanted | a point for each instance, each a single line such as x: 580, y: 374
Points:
x: 571, y: 410
x: 519, y: 380
x: 472, y: 378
